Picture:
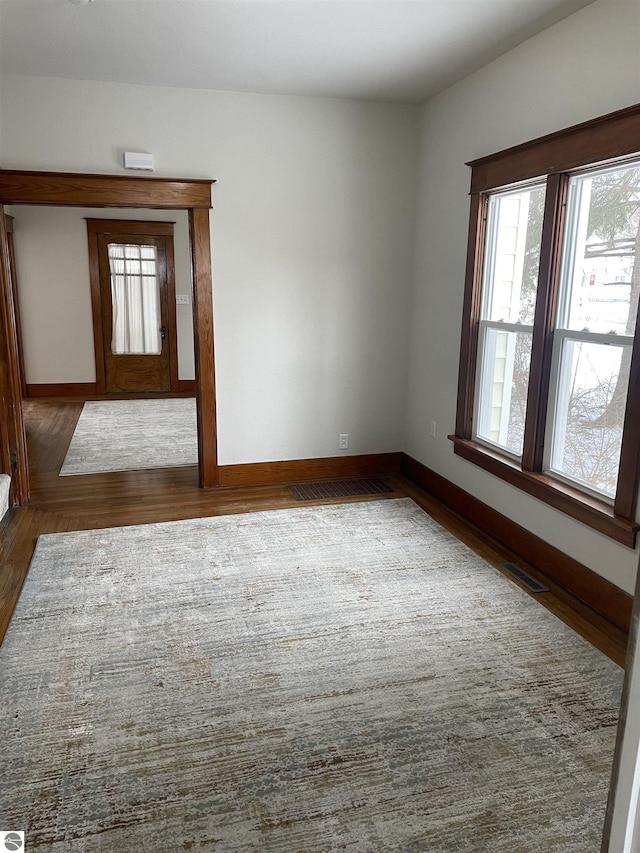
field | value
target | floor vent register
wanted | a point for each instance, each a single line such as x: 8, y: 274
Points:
x: 522, y: 577
x: 339, y: 489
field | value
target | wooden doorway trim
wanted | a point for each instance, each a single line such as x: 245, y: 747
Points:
x: 103, y: 228
x: 61, y: 189
x: 13, y: 445
x: 8, y: 221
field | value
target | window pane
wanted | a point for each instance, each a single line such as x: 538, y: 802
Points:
x: 512, y: 255
x: 599, y: 289
x: 589, y: 413
x: 503, y: 385
x: 135, y: 300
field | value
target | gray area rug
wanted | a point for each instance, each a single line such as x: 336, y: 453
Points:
x: 125, y: 435
x: 297, y: 681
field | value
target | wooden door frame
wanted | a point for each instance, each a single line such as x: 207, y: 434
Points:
x: 139, y: 228
x: 13, y: 445
x: 65, y: 189
x: 16, y: 305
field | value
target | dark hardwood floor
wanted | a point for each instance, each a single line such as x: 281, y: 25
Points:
x: 137, y: 497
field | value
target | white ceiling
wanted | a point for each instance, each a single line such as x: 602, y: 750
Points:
x: 398, y: 50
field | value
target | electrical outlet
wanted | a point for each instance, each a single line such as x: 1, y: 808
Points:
x: 433, y: 429
x: 343, y: 441
x: 182, y: 299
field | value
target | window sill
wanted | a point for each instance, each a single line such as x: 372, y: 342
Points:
x: 595, y: 514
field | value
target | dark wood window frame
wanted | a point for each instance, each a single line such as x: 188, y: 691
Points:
x: 606, y: 140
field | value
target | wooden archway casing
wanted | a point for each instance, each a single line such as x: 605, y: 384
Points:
x: 63, y: 189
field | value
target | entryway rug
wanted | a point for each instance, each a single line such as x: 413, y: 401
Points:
x: 125, y: 435
x: 308, y: 680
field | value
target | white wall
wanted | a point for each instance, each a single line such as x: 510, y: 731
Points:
x: 312, y: 229
x: 585, y: 66
x: 52, y: 263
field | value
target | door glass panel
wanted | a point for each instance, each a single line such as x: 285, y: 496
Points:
x: 135, y: 300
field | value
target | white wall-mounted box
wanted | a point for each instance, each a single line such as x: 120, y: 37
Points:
x: 138, y: 160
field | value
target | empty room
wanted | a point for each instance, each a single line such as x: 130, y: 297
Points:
x: 319, y: 405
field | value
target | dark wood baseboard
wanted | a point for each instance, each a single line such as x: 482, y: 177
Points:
x: 295, y: 470
x: 601, y: 595
x: 88, y: 391
x: 62, y: 389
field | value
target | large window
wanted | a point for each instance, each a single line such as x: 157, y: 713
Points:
x: 549, y: 392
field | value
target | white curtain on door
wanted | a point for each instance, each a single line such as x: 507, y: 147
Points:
x: 135, y: 300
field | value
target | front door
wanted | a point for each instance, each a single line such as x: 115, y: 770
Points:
x: 136, y: 329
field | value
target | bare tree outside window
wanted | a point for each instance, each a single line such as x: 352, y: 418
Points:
x: 606, y: 287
